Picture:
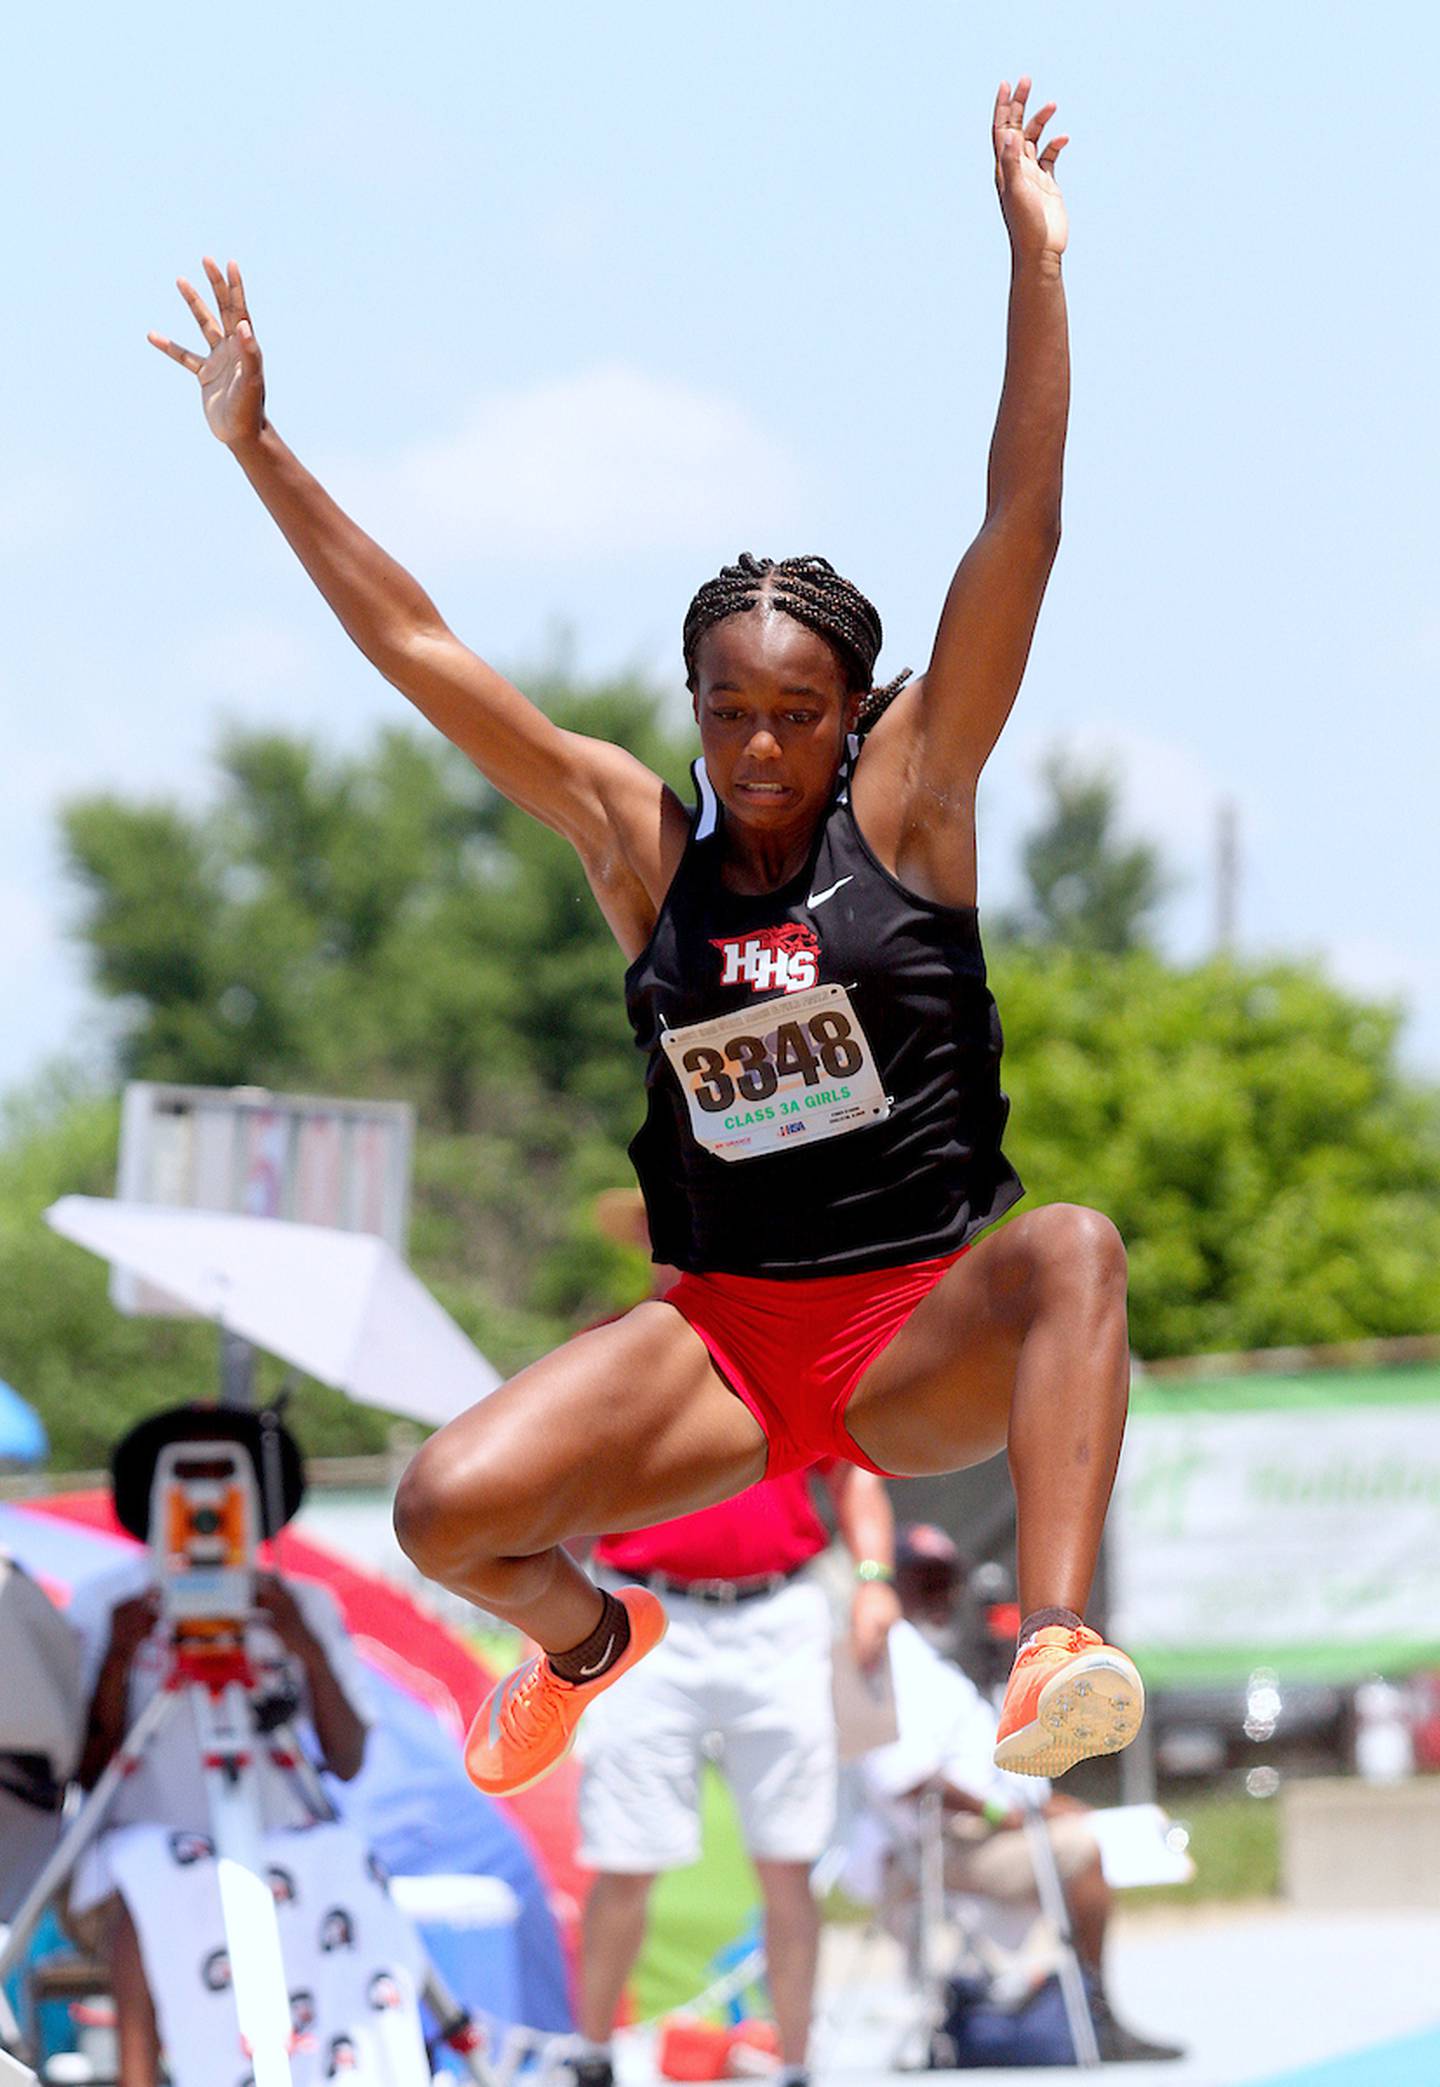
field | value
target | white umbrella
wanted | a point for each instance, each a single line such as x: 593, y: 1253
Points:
x: 342, y: 1306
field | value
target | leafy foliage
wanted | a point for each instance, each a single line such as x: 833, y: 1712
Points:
x: 381, y: 924
x: 1274, y: 1176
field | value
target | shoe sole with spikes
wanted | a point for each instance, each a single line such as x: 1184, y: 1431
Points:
x: 1094, y: 1705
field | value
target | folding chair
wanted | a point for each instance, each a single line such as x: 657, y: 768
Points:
x: 1012, y: 1953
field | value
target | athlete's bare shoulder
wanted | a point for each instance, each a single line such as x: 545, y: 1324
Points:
x: 632, y: 848
x: 924, y: 835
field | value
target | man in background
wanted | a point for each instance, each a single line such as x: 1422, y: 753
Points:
x: 743, y: 1675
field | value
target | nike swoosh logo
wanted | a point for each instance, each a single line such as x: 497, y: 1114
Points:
x: 818, y: 898
x: 586, y: 1672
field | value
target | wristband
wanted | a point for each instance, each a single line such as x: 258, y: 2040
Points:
x: 994, y: 1812
x: 868, y: 1569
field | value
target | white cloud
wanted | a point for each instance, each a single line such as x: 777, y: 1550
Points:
x: 26, y: 922
x: 245, y: 658
x: 601, y: 465
x: 36, y: 508
x: 1168, y: 793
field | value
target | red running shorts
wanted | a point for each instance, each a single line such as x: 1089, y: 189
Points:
x: 793, y: 1352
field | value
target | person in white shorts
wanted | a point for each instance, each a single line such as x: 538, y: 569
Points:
x: 745, y: 1669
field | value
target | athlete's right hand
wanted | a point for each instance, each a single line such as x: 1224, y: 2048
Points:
x: 231, y: 373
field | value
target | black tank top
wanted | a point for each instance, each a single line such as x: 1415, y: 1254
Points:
x: 822, y: 1067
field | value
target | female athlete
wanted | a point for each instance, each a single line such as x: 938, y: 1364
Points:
x: 821, y: 1148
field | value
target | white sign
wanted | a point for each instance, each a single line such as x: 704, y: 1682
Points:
x: 345, y: 1164
x: 1308, y: 1537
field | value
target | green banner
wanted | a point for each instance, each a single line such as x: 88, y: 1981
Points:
x: 1276, y: 1521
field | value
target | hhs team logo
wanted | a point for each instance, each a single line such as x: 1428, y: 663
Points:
x: 787, y: 959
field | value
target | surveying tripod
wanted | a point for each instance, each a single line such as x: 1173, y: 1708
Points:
x: 204, y: 1522
x: 221, y: 1699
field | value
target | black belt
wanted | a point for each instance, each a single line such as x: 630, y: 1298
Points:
x: 722, y: 1592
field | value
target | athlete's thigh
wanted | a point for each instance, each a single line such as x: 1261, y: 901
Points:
x: 937, y: 1398
x: 625, y: 1425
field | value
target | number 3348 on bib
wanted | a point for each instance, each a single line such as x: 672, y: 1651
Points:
x: 778, y: 1075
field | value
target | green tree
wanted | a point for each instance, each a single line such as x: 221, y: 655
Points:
x: 1274, y: 1174
x: 1086, y: 887
x: 500, y: 1233
x: 381, y: 923
x: 385, y: 922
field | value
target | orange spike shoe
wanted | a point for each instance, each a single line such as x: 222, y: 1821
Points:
x: 1070, y: 1696
x: 526, y: 1725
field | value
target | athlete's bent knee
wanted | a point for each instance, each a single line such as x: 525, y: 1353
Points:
x: 1081, y: 1245
x: 459, y: 1512
x: 448, y: 1515
x: 424, y: 1515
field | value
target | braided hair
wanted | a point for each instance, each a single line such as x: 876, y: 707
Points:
x: 810, y: 590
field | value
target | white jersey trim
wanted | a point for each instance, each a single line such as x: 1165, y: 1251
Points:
x: 707, y: 815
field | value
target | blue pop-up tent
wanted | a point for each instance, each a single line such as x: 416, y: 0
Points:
x: 22, y: 1438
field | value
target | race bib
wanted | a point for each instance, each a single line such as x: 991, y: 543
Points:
x: 777, y: 1076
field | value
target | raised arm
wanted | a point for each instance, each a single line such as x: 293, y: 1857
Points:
x: 989, y: 616
x: 619, y: 816
x: 941, y: 730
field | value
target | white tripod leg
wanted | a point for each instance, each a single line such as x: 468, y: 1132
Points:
x: 228, y: 1744
x: 1057, y: 1912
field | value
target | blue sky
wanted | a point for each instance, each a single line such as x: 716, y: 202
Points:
x: 572, y: 305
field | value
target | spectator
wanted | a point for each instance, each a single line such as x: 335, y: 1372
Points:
x: 945, y: 1744
x: 145, y: 1889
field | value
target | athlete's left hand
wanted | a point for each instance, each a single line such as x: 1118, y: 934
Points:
x: 875, y: 1607
x: 1030, y: 198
